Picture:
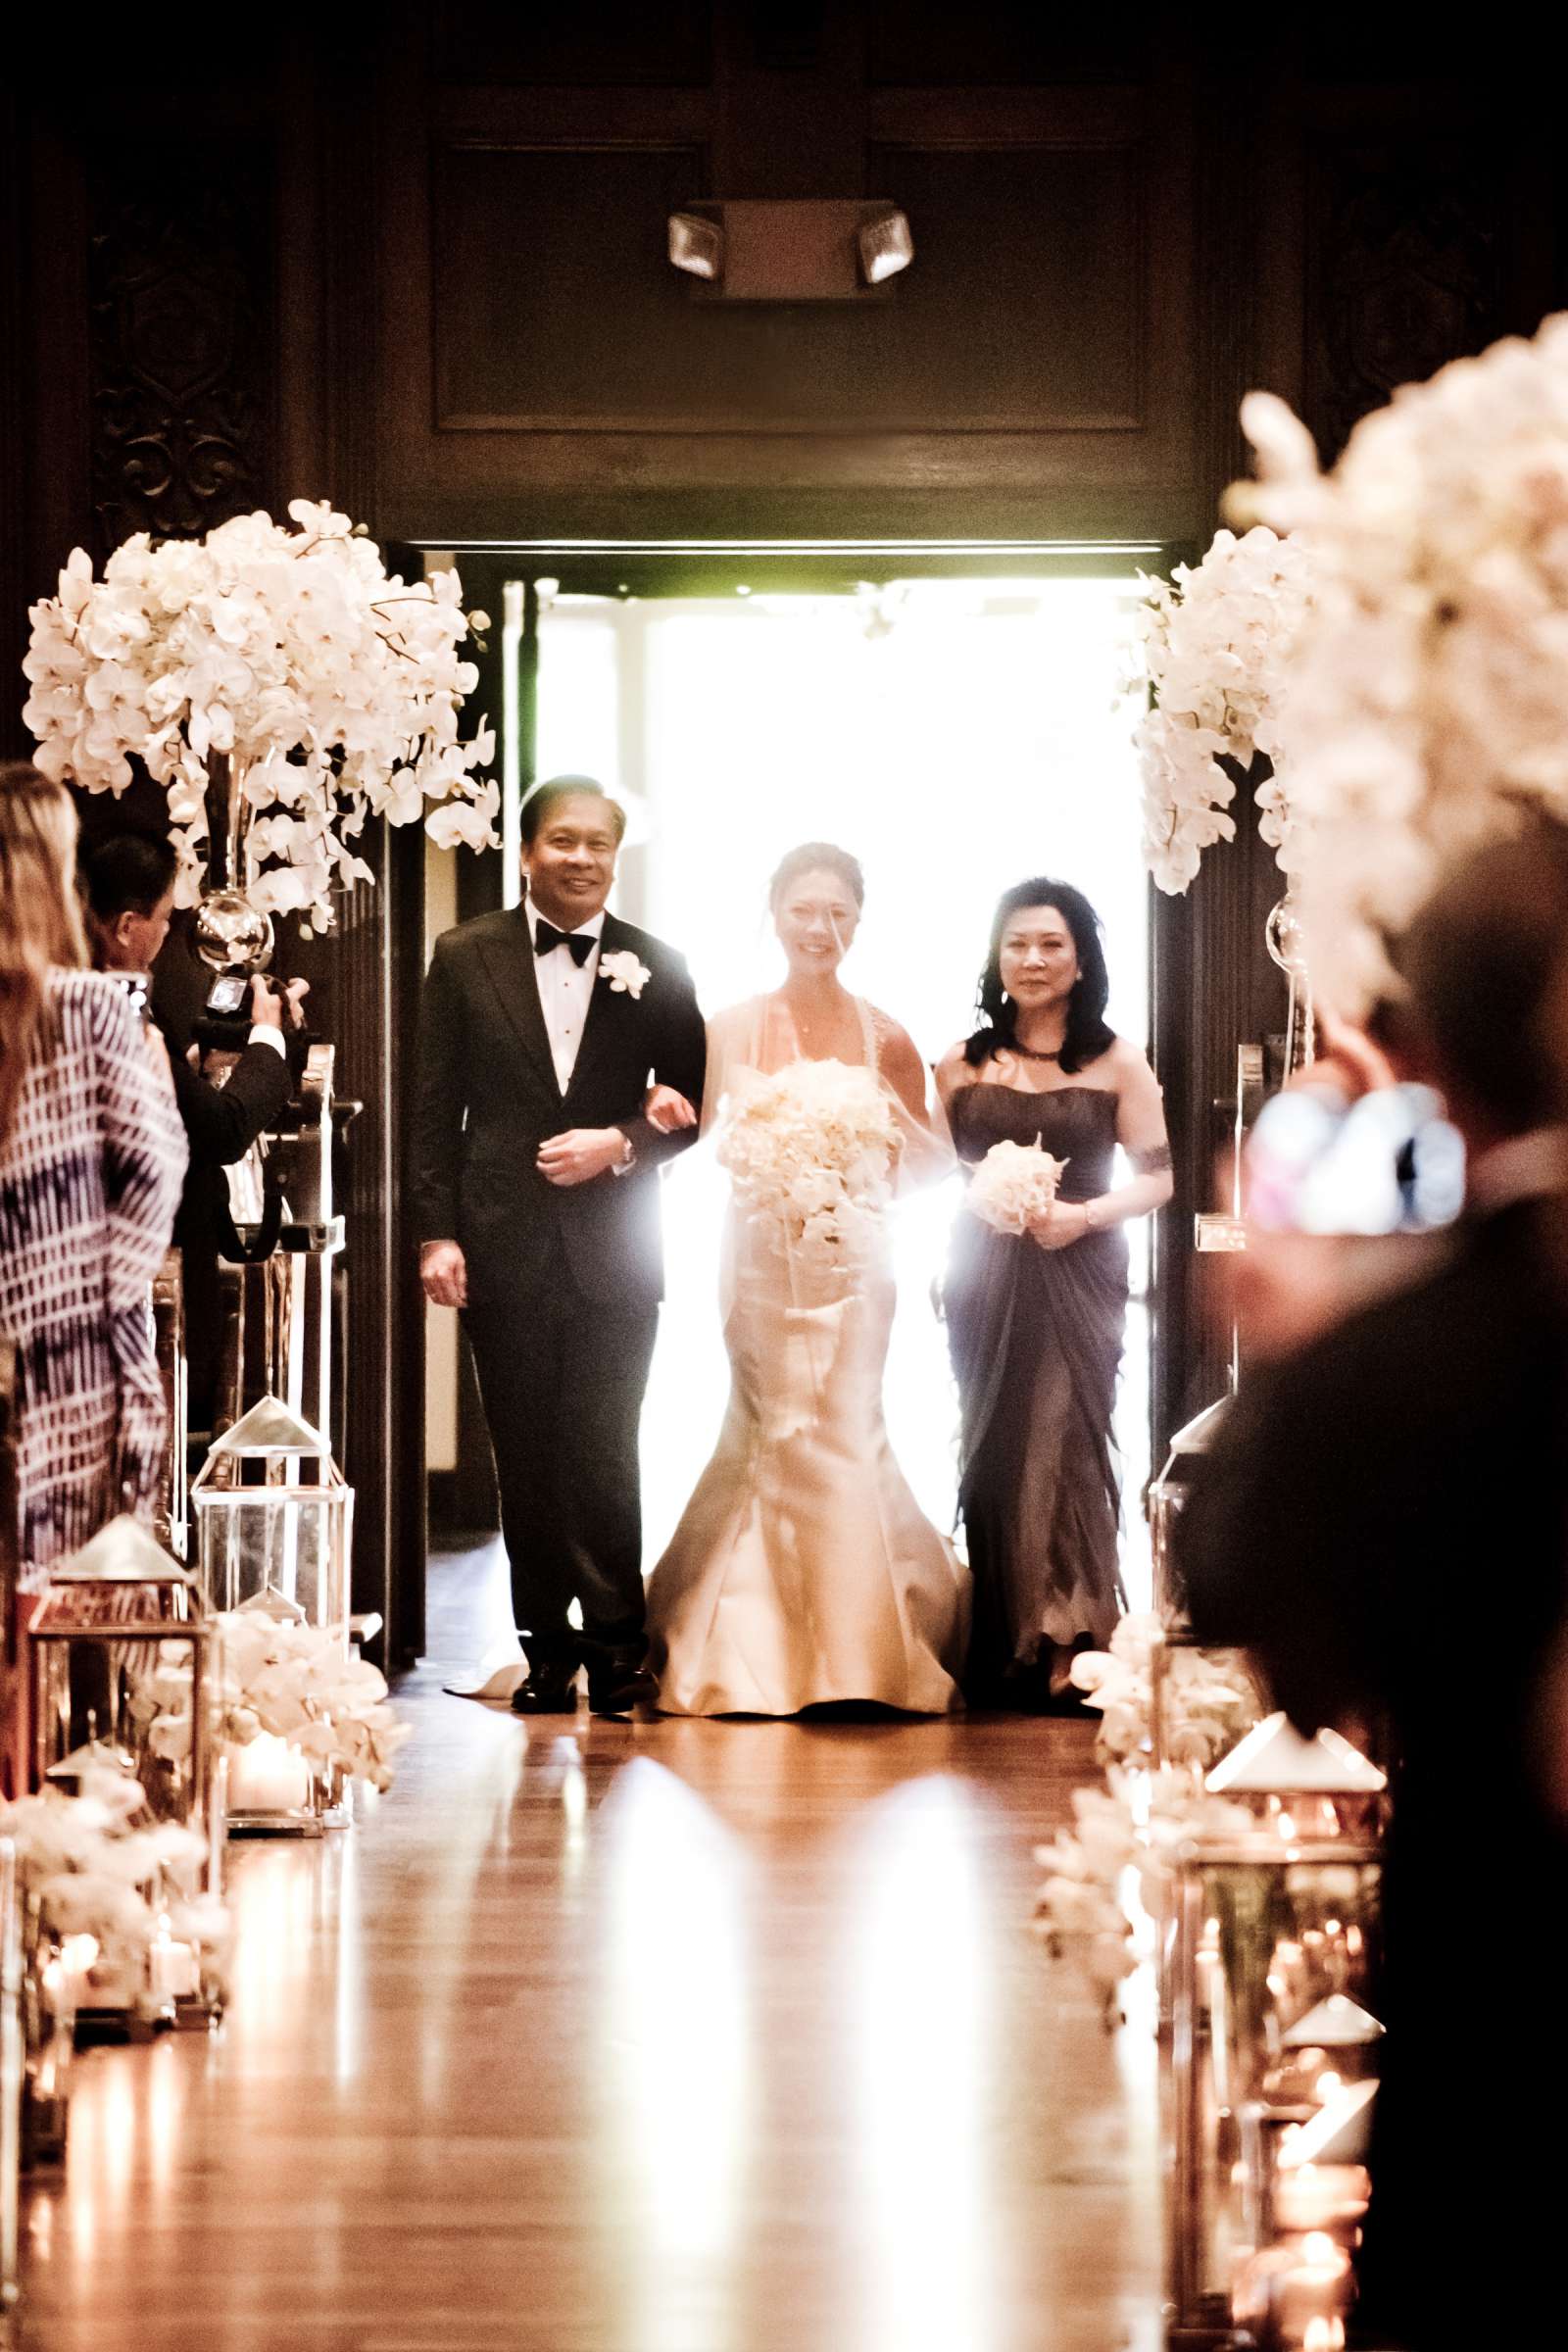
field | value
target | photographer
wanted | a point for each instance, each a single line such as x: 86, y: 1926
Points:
x: 128, y: 881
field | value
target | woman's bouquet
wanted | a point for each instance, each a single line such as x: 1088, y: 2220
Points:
x: 1014, y: 1185
x: 810, y: 1153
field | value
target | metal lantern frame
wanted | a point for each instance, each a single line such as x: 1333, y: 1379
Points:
x: 1202, y: 2096
x: 252, y: 1531
x: 123, y: 1597
x: 1318, y: 1806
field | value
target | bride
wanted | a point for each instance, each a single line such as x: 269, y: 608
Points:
x: 802, y: 1570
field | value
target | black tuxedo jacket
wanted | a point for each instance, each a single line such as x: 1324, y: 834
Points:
x: 488, y: 1098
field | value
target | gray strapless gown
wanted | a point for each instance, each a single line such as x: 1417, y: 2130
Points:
x: 1036, y: 1340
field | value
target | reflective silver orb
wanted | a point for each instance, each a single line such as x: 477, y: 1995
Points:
x: 231, y: 935
x: 1285, y: 940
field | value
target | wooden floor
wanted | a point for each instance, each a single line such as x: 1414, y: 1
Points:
x: 670, y: 2037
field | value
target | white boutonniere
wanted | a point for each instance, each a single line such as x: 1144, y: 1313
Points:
x: 626, y: 976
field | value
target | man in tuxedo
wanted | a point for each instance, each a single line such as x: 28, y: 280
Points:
x: 1384, y: 1523
x: 129, y: 883
x: 536, y: 1193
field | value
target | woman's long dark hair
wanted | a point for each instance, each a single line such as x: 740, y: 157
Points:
x: 1089, y: 1034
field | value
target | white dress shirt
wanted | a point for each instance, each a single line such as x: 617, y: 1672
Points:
x: 565, y: 992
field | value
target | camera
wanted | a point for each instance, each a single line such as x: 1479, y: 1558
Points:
x: 229, y: 997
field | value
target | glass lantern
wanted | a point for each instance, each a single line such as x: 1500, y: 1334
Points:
x: 272, y: 1787
x: 1273, y: 2050
x: 122, y: 1679
x: 274, y: 1518
x: 12, y: 2073
x: 1166, y: 1496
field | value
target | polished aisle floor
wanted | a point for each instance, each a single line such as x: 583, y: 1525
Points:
x: 669, y: 2038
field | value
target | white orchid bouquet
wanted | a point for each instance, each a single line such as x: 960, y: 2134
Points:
x: 98, y: 1866
x: 276, y: 1672
x: 1014, y: 1185
x: 1216, y: 644
x: 1429, y: 692
x: 810, y: 1153
x: 1125, y: 1836
x: 331, y: 690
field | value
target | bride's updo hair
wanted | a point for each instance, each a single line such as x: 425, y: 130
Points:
x: 1089, y: 1034
x: 818, y: 857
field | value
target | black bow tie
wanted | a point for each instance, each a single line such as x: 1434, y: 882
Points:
x: 579, y: 945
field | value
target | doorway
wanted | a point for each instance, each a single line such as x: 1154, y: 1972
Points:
x: 957, y: 720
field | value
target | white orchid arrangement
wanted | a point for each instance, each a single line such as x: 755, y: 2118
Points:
x: 99, y: 1866
x: 332, y: 690
x: 273, y: 1672
x: 1428, y: 700
x: 1126, y: 1835
x: 1216, y: 644
x: 810, y: 1152
x: 1014, y: 1185
x: 1207, y: 1697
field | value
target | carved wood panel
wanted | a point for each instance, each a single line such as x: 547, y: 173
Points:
x: 1409, y: 266
x: 182, y: 340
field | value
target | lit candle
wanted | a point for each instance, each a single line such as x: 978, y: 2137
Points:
x: 174, y: 1974
x: 76, y: 1956
x: 267, y: 1775
x: 1316, y: 2197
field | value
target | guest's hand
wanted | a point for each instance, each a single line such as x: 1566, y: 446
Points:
x: 581, y: 1155
x: 294, y: 997
x: 267, y: 1002
x: 444, y: 1273
x: 668, y: 1110
x: 1064, y: 1223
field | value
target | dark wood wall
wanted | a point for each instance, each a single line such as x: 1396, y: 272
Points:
x: 412, y: 258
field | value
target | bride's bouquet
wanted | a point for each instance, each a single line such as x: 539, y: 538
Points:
x: 1014, y: 1185
x: 810, y: 1152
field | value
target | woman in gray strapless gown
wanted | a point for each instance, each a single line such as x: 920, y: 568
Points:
x: 1035, y: 1321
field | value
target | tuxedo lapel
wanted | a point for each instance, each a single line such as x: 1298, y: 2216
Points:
x: 509, y: 959
x: 607, y: 1010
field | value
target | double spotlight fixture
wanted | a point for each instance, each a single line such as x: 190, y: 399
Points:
x: 801, y: 249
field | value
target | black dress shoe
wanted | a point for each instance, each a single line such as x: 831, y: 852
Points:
x: 619, y: 1686
x: 551, y: 1690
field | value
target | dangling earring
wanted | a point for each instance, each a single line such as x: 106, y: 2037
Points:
x: 1006, y: 999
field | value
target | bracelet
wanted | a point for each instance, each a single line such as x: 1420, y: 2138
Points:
x: 1091, y: 1222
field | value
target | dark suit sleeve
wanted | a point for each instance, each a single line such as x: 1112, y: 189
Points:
x: 440, y: 1103
x: 680, y: 1061
x: 222, y: 1122
x: 1285, y: 1544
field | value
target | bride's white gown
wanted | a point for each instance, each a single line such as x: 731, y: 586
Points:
x: 802, y: 1570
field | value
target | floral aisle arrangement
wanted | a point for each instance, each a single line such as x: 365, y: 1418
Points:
x: 283, y: 1678
x: 810, y: 1152
x: 1216, y: 641
x: 331, y: 689
x: 1148, y: 1809
x: 1427, y: 690
x: 114, y: 1891
x: 1014, y: 1185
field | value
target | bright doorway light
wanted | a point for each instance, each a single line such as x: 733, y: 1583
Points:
x: 957, y: 736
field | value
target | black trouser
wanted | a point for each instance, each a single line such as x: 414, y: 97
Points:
x: 562, y: 1379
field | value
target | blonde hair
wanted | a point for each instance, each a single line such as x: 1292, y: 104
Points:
x: 40, y: 914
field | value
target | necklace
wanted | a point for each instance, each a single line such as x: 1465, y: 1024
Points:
x: 1030, y: 1054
